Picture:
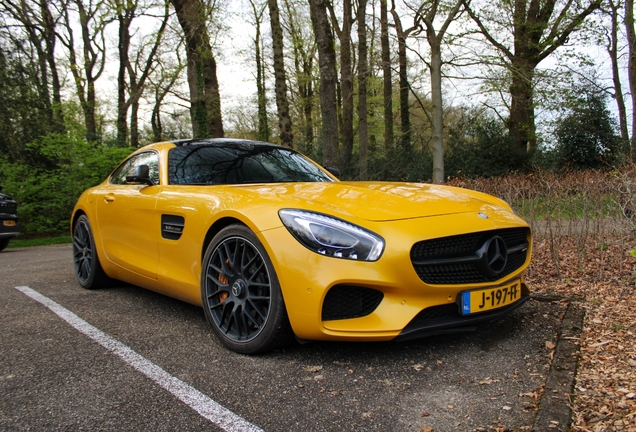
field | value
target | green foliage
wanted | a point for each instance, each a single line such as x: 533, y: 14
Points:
x: 478, y: 146
x: 586, y: 137
x: 47, y: 192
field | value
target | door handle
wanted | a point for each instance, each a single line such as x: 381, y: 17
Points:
x: 109, y: 198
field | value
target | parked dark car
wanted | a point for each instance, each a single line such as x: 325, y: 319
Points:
x: 9, y: 224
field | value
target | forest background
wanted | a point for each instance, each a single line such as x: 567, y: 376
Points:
x: 392, y: 90
x: 529, y: 100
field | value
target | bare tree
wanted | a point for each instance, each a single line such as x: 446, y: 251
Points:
x: 133, y: 74
x: 162, y: 82
x: 258, y: 12
x: 39, y: 24
x: 611, y: 9
x: 526, y: 32
x: 205, y: 105
x: 304, y: 51
x: 363, y: 73
x: 328, y: 80
x: 86, y: 72
x: 426, y: 14
x: 405, y: 119
x: 631, y: 44
x: 282, y: 105
x: 387, y: 87
x: 346, y: 76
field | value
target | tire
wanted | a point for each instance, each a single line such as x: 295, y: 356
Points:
x: 3, y: 244
x: 241, y: 295
x: 88, y: 269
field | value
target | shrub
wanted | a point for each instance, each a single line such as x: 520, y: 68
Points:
x: 586, y: 137
x: 478, y: 146
x: 47, y: 193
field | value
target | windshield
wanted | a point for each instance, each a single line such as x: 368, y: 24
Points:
x: 238, y: 164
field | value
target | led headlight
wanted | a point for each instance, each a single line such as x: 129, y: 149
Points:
x: 332, y: 237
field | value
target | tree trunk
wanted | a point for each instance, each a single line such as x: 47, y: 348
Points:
x: 631, y: 44
x: 612, y: 49
x: 386, y: 72
x: 89, y: 108
x: 205, y: 100
x: 155, y: 121
x: 346, y: 84
x: 363, y: 133
x: 521, y: 122
x: 263, y: 127
x: 438, y: 112
x: 50, y: 37
x: 124, y: 16
x: 304, y: 54
x: 405, y: 120
x: 134, y: 124
x: 328, y: 80
x: 435, y: 39
x: 280, y: 80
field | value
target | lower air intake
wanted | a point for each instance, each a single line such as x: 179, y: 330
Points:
x: 345, y: 302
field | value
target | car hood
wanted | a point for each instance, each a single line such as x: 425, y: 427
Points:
x: 376, y: 201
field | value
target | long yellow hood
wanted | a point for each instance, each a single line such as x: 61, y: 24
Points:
x: 376, y: 201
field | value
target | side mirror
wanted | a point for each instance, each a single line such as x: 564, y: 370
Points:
x: 139, y: 174
x: 334, y: 171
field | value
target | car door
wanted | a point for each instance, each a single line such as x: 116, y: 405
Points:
x: 128, y: 222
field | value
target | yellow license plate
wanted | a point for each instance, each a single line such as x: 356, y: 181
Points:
x: 9, y: 223
x: 490, y: 298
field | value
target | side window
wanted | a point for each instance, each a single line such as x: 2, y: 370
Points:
x: 148, y: 158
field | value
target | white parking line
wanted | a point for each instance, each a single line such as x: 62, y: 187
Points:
x: 192, y: 397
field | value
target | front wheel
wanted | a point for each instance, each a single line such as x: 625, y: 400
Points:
x: 241, y: 295
x: 88, y: 270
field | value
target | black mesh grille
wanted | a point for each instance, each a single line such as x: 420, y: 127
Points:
x: 344, y: 302
x: 460, y: 247
x: 172, y: 227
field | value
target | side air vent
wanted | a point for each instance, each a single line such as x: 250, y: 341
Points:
x: 172, y: 227
x: 345, y: 302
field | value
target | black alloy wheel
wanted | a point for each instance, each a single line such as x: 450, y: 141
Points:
x: 87, y: 267
x: 241, y: 295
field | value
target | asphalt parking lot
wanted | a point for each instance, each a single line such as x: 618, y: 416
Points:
x: 55, y: 377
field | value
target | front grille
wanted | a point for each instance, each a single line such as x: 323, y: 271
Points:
x: 454, y: 260
x: 345, y: 301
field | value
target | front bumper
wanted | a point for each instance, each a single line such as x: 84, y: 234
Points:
x: 306, y: 278
x: 442, y: 320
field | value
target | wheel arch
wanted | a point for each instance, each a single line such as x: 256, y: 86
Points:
x: 76, y: 216
x: 214, y: 229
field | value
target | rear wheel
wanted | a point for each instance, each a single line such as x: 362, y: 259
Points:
x: 88, y: 270
x: 3, y: 244
x: 241, y: 294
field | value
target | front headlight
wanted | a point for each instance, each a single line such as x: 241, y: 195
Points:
x: 332, y: 237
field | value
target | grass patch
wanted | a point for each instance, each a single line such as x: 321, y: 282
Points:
x: 568, y: 207
x: 20, y: 243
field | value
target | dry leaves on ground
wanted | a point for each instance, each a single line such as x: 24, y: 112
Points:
x: 604, y: 282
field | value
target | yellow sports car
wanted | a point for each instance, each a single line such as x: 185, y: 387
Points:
x: 273, y: 246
